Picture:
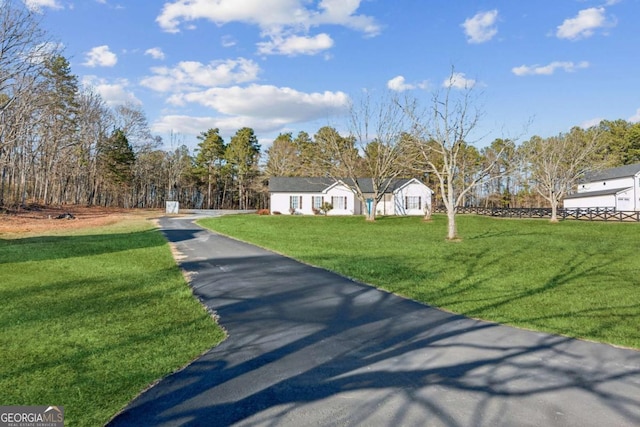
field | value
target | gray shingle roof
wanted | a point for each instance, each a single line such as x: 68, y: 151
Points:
x: 607, y: 192
x: 613, y: 173
x: 319, y: 184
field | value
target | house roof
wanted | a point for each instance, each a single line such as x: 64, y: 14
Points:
x: 607, y: 192
x: 619, y: 172
x: 319, y: 184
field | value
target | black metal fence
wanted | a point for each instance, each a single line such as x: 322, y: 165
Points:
x: 588, y: 214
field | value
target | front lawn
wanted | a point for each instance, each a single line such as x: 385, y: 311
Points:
x: 580, y: 279
x: 90, y: 318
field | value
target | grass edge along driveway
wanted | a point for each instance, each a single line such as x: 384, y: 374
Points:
x: 92, y: 317
x: 579, y: 279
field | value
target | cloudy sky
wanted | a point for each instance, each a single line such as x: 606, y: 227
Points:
x: 540, y: 66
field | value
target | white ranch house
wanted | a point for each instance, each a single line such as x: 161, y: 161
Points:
x: 299, y: 195
x: 611, y: 189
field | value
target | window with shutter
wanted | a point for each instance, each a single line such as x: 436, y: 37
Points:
x: 413, y: 202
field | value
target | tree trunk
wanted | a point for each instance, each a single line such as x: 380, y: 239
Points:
x: 450, y: 203
x: 554, y: 209
x: 427, y: 212
x: 452, y: 231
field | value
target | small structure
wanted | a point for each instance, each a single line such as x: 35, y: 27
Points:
x: 172, y: 207
x: 615, y: 189
x: 305, y: 196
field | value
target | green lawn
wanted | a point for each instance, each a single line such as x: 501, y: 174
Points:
x: 90, y: 319
x: 580, y: 279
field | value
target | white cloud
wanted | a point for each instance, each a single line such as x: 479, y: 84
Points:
x: 100, y: 56
x: 547, y: 70
x: 399, y: 84
x: 590, y: 123
x: 481, y: 27
x: 38, y: 5
x: 342, y: 12
x: 268, y: 15
x: 285, y: 22
x: 458, y: 81
x: 114, y: 93
x: 193, y: 125
x: 583, y: 25
x: 228, y: 41
x: 636, y: 117
x: 296, y: 45
x: 192, y: 75
x: 155, y: 53
x: 265, y: 102
x: 265, y: 109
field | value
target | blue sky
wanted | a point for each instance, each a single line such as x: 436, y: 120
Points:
x: 540, y: 66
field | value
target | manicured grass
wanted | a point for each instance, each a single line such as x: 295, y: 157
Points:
x: 90, y: 319
x: 580, y: 279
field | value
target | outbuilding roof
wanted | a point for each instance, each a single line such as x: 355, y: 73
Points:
x: 607, y: 192
x: 613, y: 173
x: 319, y: 184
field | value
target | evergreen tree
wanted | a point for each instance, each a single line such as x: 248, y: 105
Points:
x: 117, y: 159
x: 209, y: 160
x: 242, y: 155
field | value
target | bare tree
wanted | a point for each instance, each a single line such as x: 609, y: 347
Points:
x: 23, y: 48
x: 556, y: 164
x: 373, y: 156
x: 93, y: 130
x: 132, y: 120
x: 441, y: 139
x: 283, y: 158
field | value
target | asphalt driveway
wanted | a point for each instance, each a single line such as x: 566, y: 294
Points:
x: 307, y: 347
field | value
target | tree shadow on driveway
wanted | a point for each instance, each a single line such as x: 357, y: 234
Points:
x: 309, y: 347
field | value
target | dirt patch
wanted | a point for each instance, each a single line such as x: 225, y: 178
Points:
x: 37, y: 219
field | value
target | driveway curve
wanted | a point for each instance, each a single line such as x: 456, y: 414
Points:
x: 310, y: 347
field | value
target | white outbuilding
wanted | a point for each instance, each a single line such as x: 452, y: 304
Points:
x: 616, y: 189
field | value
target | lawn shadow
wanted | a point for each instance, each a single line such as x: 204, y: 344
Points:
x: 62, y: 247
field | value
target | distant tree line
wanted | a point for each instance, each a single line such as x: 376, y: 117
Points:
x: 60, y: 143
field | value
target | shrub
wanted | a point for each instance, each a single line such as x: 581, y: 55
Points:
x: 326, y: 207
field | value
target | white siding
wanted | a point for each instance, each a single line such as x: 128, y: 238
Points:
x: 412, y: 189
x: 341, y: 191
x: 391, y: 204
x: 608, y: 201
x: 624, y: 200
x: 606, y: 184
x: 281, y: 202
x: 385, y: 207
